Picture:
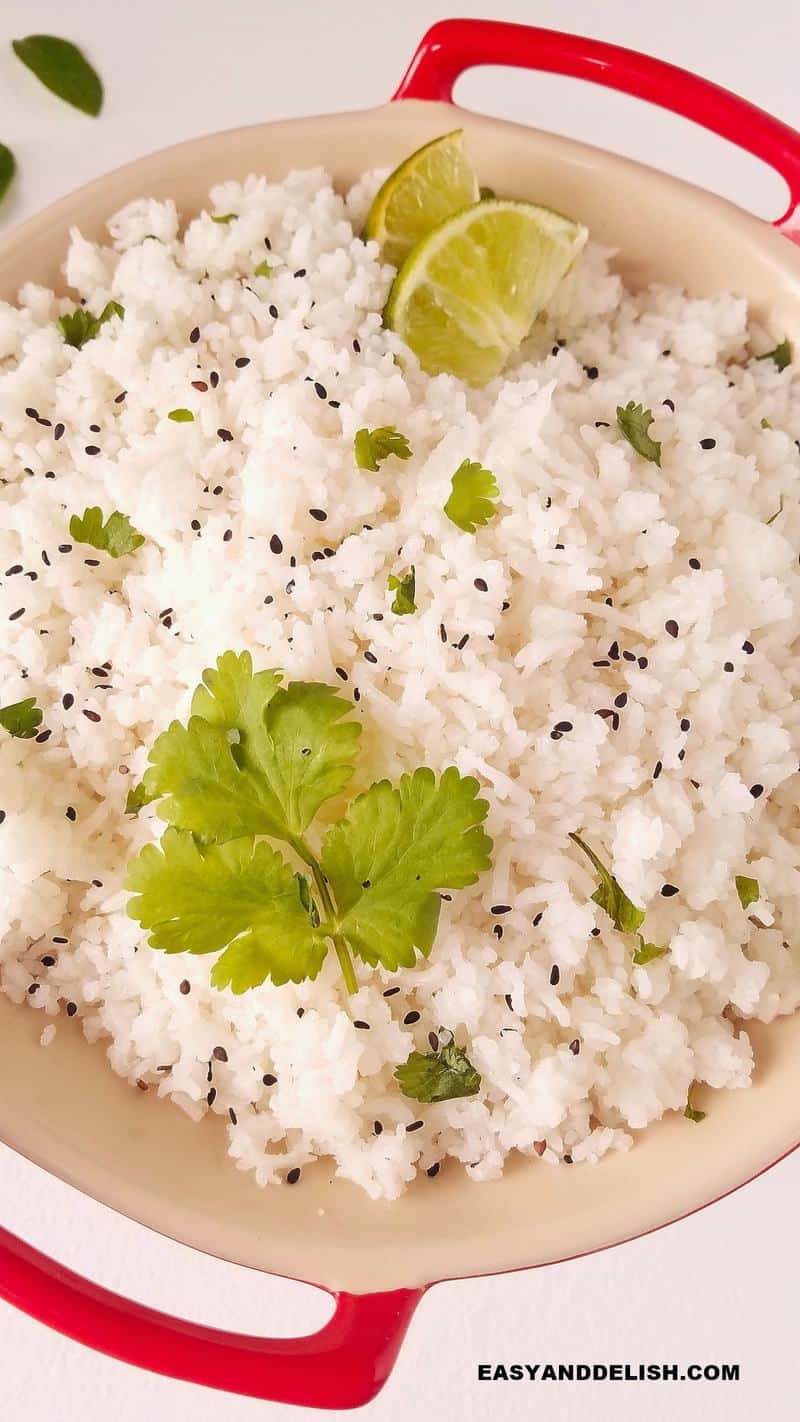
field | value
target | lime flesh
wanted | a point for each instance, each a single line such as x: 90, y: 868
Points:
x: 428, y: 186
x: 469, y: 292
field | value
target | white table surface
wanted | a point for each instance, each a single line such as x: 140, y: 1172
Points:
x: 721, y: 1286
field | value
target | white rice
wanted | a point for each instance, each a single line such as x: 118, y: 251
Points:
x: 590, y: 548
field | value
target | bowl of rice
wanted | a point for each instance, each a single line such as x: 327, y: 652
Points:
x: 608, y: 657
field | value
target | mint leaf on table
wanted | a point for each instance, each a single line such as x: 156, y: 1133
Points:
x: 404, y: 587
x: 634, y: 422
x: 690, y: 1112
x: 8, y: 168
x: 181, y: 416
x: 782, y: 355
x: 443, y: 1075
x: 371, y: 447
x: 611, y: 897
x: 748, y: 890
x: 63, y: 70
x: 239, y: 896
x: 473, y: 493
x: 79, y: 326
x: 21, y: 719
x: 391, y: 854
x: 117, y: 536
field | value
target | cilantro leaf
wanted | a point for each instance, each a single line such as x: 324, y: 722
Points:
x: 404, y: 588
x: 181, y: 416
x: 438, y: 1076
x: 393, y: 851
x: 748, y: 890
x: 634, y: 422
x: 239, y: 896
x: 63, y: 70
x: 8, y: 167
x: 609, y: 896
x: 373, y: 446
x: 139, y: 796
x: 292, y: 751
x: 21, y: 718
x: 690, y: 1112
x: 647, y: 952
x: 79, y: 326
x: 472, y: 495
x: 117, y: 536
x: 225, y: 218
x: 782, y: 355
x: 263, y: 269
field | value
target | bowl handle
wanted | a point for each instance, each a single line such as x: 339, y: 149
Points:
x: 452, y: 46
x: 343, y: 1365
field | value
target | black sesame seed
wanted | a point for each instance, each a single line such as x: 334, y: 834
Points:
x: 410, y: 1018
x: 602, y: 425
x: 185, y: 987
x: 621, y: 700
x: 567, y: 1159
x: 334, y: 404
x: 708, y: 443
x: 575, y: 1047
x: 212, y: 1096
x: 670, y: 404
x: 727, y: 666
x: 195, y: 524
x: 58, y: 430
x: 301, y: 271
x: 377, y: 1127
x: 643, y: 662
x: 748, y: 648
x: 319, y: 514
x: 681, y: 754
x: 756, y: 791
x: 497, y: 930
x: 273, y: 311
x: 301, y: 1012
x: 370, y: 657
x: 629, y: 656
x: 415, y: 1126
x: 538, y: 918
x: 194, y: 335
x: 268, y: 1079
x: 603, y: 662
x: 442, y: 632
x: 213, y: 379
x: 341, y: 673
x: 276, y: 544
x: 224, y: 435
x: 241, y: 362
x: 320, y: 390
x: 694, y: 563
x: 43, y: 736
x: 71, y: 813
x: 227, y: 535
x: 671, y: 627
x: 92, y: 562
x: 13, y: 570
x: 613, y: 651
x: 356, y: 694
x: 329, y: 552
x: 481, y: 585
x: 219, y: 1054
x: 500, y: 908
x: 460, y: 645
x: 391, y: 992
x: 2, y: 816
x: 91, y: 715
x: 16, y: 615
x: 657, y: 769
x: 668, y: 891
x: 591, y: 372
x: 48, y: 961
x: 362, y: 1026
x: 232, y: 1115
x: 563, y: 727
x: 72, y: 1008
x: 433, y: 1170
x: 357, y: 346
x: 92, y: 449
x: 555, y: 975
x: 433, y: 1041
x: 293, y: 1176
x: 34, y: 987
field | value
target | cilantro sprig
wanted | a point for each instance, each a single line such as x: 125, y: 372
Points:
x: 79, y: 326
x: 371, y: 447
x: 473, y: 494
x: 404, y: 588
x: 257, y: 761
x: 21, y: 718
x: 443, y: 1075
x: 691, y: 1112
x: 634, y: 422
x: 623, y: 912
x: 116, y: 536
x: 781, y: 355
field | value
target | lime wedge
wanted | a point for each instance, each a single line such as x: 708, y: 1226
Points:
x: 434, y: 182
x: 469, y: 292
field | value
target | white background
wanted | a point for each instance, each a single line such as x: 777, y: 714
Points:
x: 720, y: 1286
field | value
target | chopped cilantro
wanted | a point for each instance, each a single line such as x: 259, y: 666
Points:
x: 690, y: 1112
x: 609, y: 896
x: 634, y: 422
x: 263, y: 269
x: 473, y: 494
x: 21, y: 718
x: 225, y: 218
x: 443, y: 1075
x: 747, y: 889
x: 782, y: 355
x: 371, y: 447
x: 79, y: 326
x: 404, y: 589
x: 181, y: 416
x: 117, y: 536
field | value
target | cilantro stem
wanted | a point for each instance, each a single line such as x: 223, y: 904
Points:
x: 339, y: 942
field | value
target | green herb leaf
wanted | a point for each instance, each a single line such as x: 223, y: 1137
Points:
x: 63, y: 70
x: 139, y: 796
x: 292, y: 751
x: 391, y: 854
x: 609, y: 896
x: 80, y: 326
x: 646, y: 952
x: 689, y: 1111
x: 404, y: 588
x: 8, y: 167
x: 117, y: 536
x: 21, y: 718
x: 472, y: 495
x: 263, y: 269
x: 748, y: 890
x: 487, y: 194
x: 181, y: 416
x: 765, y: 424
x: 777, y: 513
x: 373, y: 446
x: 438, y: 1076
x: 241, y: 896
x: 634, y: 422
x: 782, y: 355
x: 225, y: 218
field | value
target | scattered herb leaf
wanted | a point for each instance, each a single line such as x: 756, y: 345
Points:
x: 472, y: 496
x: 21, y: 719
x: 139, y: 796
x: 263, y: 269
x: 782, y: 355
x: 609, y: 896
x: 371, y: 447
x: 647, y: 952
x: 8, y: 167
x: 404, y: 589
x: 634, y: 422
x: 117, y: 536
x: 80, y: 326
x: 748, y: 890
x: 391, y: 854
x: 225, y: 218
x: 690, y: 1112
x: 444, y: 1075
x: 61, y: 67
x: 765, y: 424
x: 181, y: 416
